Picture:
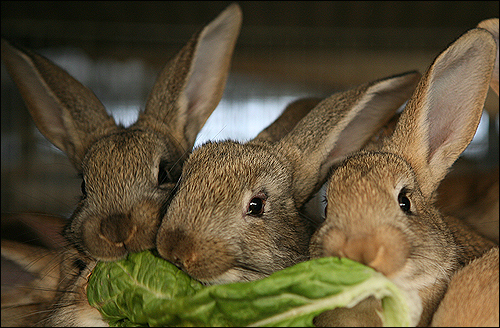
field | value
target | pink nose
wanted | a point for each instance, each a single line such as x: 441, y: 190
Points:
x: 385, y: 250
x: 117, y: 229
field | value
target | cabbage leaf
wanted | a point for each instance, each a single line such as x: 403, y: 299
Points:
x: 145, y: 290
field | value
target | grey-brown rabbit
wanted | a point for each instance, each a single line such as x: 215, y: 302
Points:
x: 128, y: 173
x: 380, y: 208
x: 236, y: 214
x: 56, y: 296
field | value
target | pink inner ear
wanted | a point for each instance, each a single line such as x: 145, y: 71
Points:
x: 439, y: 127
x: 452, y: 117
x: 454, y: 94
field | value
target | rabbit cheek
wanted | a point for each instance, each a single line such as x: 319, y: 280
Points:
x: 386, y: 250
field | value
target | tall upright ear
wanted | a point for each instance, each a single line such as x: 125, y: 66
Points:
x: 442, y: 116
x: 66, y: 112
x: 491, y: 25
x: 191, y: 85
x: 288, y: 119
x: 340, y: 125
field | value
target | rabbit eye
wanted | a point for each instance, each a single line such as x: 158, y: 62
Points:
x: 256, y: 206
x: 82, y: 186
x: 325, y: 201
x: 404, y: 202
x: 163, y: 174
x: 79, y: 264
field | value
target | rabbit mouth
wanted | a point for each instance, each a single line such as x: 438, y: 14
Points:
x: 237, y: 273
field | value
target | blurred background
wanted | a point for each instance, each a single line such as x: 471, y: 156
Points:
x: 286, y: 50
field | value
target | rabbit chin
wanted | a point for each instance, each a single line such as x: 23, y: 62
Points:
x: 234, y: 274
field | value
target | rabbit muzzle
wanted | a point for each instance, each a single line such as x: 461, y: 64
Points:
x: 385, y: 250
x: 117, y: 229
x: 111, y: 237
x: 202, y: 259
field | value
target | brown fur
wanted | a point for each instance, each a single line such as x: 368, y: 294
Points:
x: 55, y: 295
x: 380, y: 202
x: 123, y: 198
x: 472, y: 298
x: 208, y: 230
x: 474, y: 196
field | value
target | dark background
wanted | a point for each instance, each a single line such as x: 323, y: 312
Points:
x: 285, y: 50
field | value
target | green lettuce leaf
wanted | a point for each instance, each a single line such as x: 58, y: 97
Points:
x: 145, y: 290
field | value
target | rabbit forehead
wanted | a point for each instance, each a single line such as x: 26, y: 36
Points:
x: 233, y: 167
x: 365, y: 188
x: 373, y: 169
x: 218, y: 178
x: 127, y: 154
x: 124, y: 164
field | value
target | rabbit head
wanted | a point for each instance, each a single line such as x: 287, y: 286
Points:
x: 236, y: 213
x: 128, y: 173
x: 380, y: 208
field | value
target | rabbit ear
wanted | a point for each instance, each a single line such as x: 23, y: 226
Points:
x: 190, y: 87
x: 442, y: 116
x: 34, y: 259
x: 66, y: 112
x: 491, y: 25
x: 339, y: 125
x: 290, y: 116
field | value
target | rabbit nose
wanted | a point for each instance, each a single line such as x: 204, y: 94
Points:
x: 385, y: 250
x: 117, y: 229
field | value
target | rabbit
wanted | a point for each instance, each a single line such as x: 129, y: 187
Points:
x: 128, y: 173
x: 235, y: 215
x: 56, y: 296
x: 380, y: 208
x: 472, y: 296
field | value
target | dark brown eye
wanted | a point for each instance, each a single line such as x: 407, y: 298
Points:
x: 325, y: 201
x: 84, y: 190
x: 79, y: 264
x: 163, y: 174
x: 404, y: 202
x: 256, y: 206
